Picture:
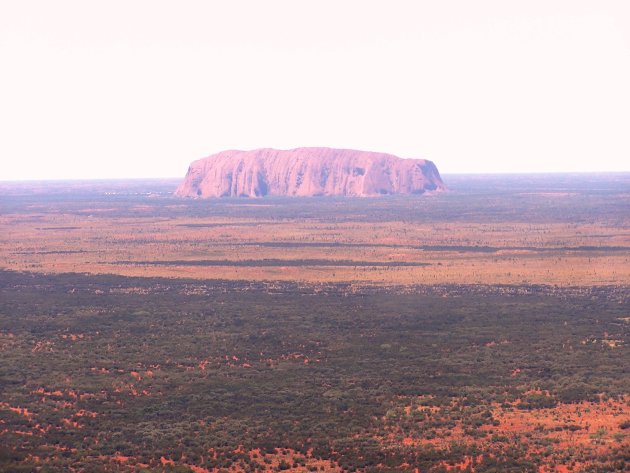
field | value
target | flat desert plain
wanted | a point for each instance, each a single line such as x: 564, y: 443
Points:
x: 483, y: 329
x: 558, y: 230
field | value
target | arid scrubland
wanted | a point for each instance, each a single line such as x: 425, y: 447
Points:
x: 465, y: 237
x: 486, y: 329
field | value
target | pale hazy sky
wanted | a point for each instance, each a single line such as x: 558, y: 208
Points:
x: 111, y: 88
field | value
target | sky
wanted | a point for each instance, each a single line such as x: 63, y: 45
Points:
x: 141, y: 88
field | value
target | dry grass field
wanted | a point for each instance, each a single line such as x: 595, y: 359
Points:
x: 575, y: 233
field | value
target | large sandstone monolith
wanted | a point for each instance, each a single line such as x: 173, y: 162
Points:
x: 307, y: 172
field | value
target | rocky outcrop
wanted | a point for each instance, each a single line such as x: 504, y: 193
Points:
x: 307, y: 172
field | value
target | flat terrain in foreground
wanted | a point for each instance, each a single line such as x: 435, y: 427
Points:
x: 108, y: 373
x: 486, y: 329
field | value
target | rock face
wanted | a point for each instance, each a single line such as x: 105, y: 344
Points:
x: 307, y: 172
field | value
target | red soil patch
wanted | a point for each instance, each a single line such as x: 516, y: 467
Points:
x: 18, y: 410
x: 593, y: 428
x: 198, y: 469
x: 165, y: 461
x: 71, y: 423
x: 570, y: 425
